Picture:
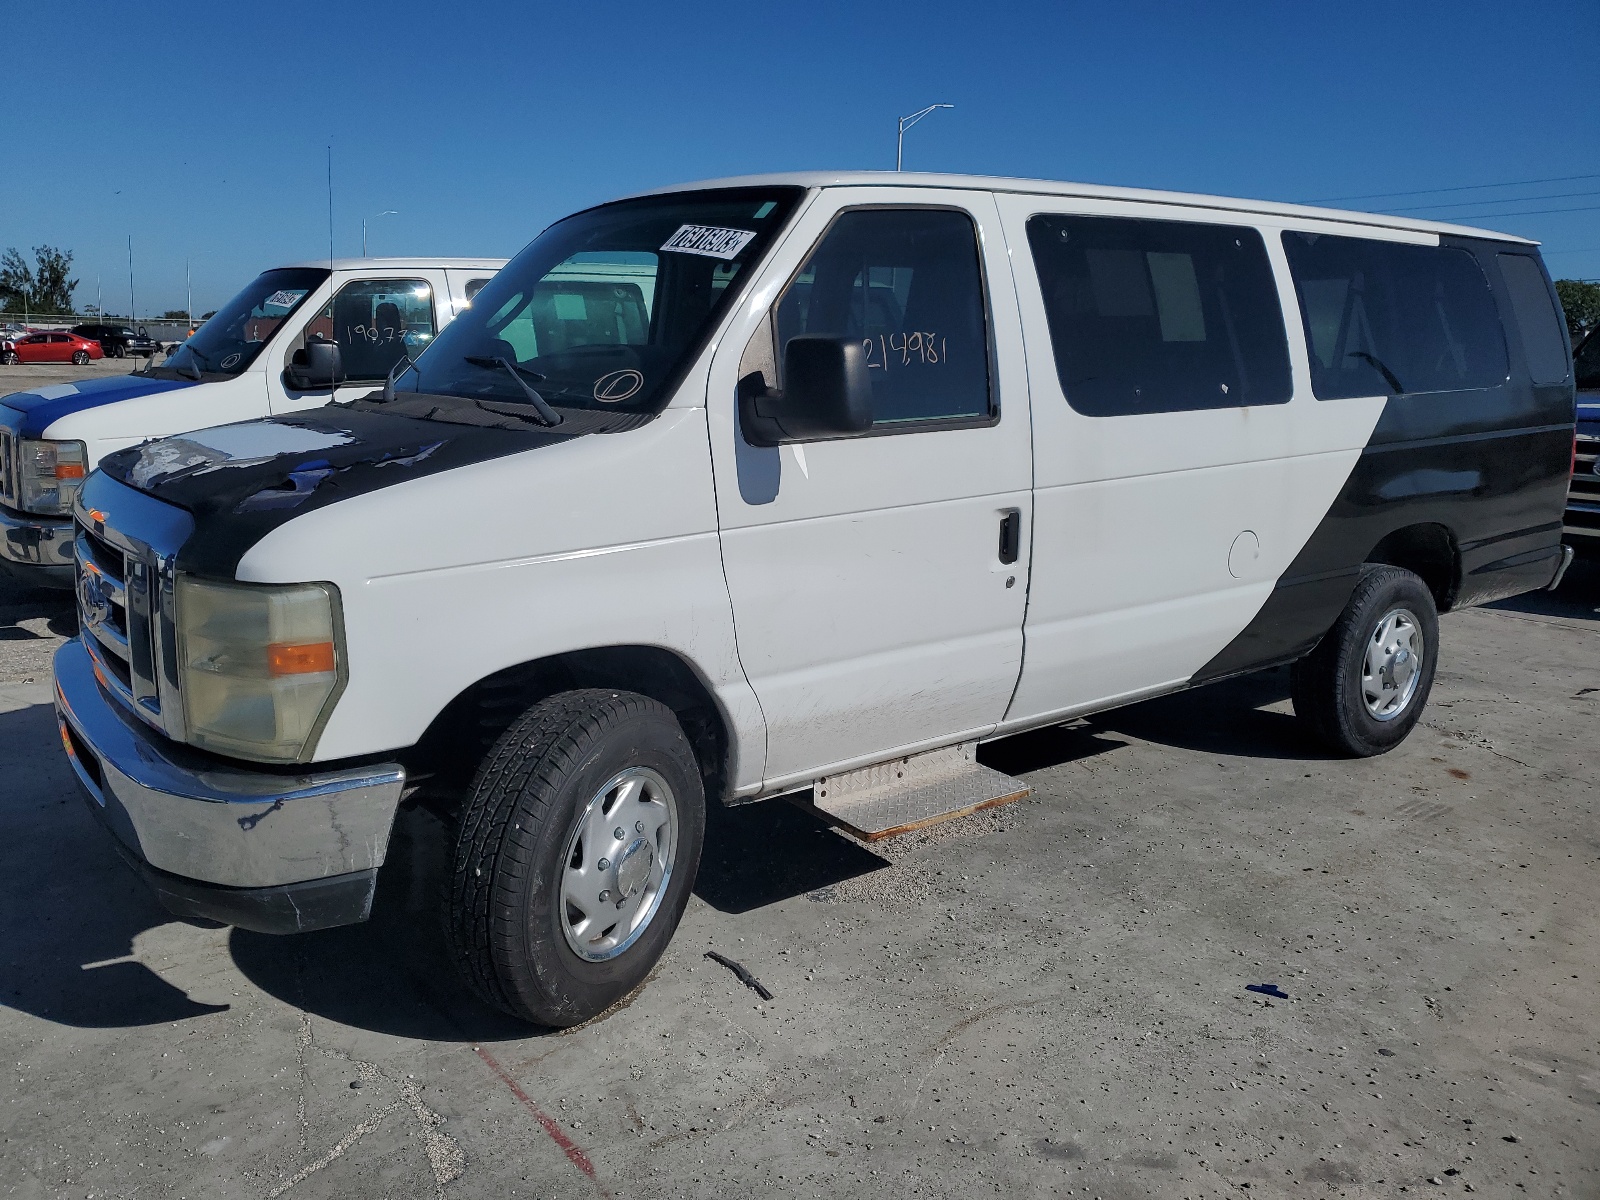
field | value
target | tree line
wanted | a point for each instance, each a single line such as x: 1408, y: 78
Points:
x: 43, y: 288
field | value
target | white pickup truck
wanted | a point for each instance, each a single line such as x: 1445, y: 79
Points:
x: 806, y: 485
x: 238, y: 365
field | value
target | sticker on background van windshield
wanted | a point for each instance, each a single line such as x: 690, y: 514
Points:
x: 708, y: 240
x: 283, y: 299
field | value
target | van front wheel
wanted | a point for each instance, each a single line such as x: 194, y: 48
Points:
x: 1363, y: 688
x: 577, y: 848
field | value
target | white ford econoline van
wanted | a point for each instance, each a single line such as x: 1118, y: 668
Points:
x: 238, y: 365
x: 798, y: 482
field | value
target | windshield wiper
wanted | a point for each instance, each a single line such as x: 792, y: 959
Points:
x: 546, y: 414
x: 1388, y: 375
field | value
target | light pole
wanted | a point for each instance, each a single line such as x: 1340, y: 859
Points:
x: 905, y: 124
x: 130, y: 279
x: 388, y: 212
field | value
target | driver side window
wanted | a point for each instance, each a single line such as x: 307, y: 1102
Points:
x: 373, y: 321
x: 907, y: 283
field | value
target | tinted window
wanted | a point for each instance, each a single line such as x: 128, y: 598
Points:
x: 1586, y: 361
x: 1160, y: 316
x: 1544, y: 340
x: 474, y: 286
x: 908, y: 284
x: 1384, y: 318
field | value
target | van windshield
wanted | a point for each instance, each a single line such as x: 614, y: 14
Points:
x: 230, y: 340
x: 605, y: 309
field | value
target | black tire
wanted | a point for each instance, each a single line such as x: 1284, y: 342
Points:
x: 507, y: 920
x: 1328, y: 684
x: 80, y: 358
x: 9, y: 358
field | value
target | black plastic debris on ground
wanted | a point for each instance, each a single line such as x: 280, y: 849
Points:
x: 1267, y: 989
x: 749, y: 980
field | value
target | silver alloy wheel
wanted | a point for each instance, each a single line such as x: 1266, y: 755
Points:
x: 1393, y: 664
x: 618, y: 862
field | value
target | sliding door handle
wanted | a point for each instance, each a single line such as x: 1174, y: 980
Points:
x: 1010, y: 535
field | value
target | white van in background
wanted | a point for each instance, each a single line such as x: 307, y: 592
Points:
x: 247, y: 360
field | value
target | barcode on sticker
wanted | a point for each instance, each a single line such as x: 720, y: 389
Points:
x: 708, y: 240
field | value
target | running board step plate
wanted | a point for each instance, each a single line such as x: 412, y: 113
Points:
x: 911, y: 793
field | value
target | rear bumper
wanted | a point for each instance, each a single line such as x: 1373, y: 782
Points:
x: 277, y: 853
x: 37, y: 549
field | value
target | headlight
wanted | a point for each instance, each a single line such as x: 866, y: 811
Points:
x: 261, y: 665
x: 49, y: 475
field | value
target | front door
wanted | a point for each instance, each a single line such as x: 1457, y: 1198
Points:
x: 874, y: 608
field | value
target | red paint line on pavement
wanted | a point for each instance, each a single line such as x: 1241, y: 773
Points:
x: 557, y: 1134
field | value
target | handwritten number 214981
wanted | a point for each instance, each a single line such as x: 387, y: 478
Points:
x: 927, y: 349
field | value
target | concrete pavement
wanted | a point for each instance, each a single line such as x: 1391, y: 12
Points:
x: 1047, y: 999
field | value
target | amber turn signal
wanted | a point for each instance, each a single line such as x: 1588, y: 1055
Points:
x: 308, y: 659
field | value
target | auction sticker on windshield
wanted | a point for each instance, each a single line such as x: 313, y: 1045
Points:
x: 708, y: 240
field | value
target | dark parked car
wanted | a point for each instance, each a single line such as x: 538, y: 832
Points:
x: 119, y: 341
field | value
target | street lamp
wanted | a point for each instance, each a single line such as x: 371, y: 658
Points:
x: 388, y: 212
x: 905, y: 124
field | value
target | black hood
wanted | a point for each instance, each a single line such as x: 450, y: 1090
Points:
x: 242, y: 481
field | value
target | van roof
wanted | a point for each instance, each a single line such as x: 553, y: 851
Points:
x: 403, y: 264
x: 1091, y: 191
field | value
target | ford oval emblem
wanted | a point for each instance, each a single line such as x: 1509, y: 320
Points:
x: 92, y: 598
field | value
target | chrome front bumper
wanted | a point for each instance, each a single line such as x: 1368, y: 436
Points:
x: 40, y: 548
x: 264, y: 850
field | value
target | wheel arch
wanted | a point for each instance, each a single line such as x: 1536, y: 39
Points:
x: 1428, y: 550
x: 449, y: 750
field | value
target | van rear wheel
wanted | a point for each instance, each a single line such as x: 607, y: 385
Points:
x: 577, y: 848
x: 1363, y: 688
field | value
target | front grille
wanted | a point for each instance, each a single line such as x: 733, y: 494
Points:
x: 120, y: 610
x: 125, y: 546
x: 1583, y: 498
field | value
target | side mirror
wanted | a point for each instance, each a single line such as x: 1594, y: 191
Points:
x: 318, y: 367
x: 827, y: 393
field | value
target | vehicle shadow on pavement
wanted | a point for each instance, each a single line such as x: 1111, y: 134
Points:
x: 1578, y: 597
x: 19, y: 603
x: 71, y: 908
x: 391, y: 974
x: 761, y: 854
x: 1230, y: 718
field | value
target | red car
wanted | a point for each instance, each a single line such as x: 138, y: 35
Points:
x: 50, y: 348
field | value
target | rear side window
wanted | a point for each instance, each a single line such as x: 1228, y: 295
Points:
x: 1544, y: 341
x: 1160, y: 316
x: 907, y: 283
x: 1387, y: 318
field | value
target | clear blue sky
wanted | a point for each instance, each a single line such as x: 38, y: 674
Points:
x: 201, y: 128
